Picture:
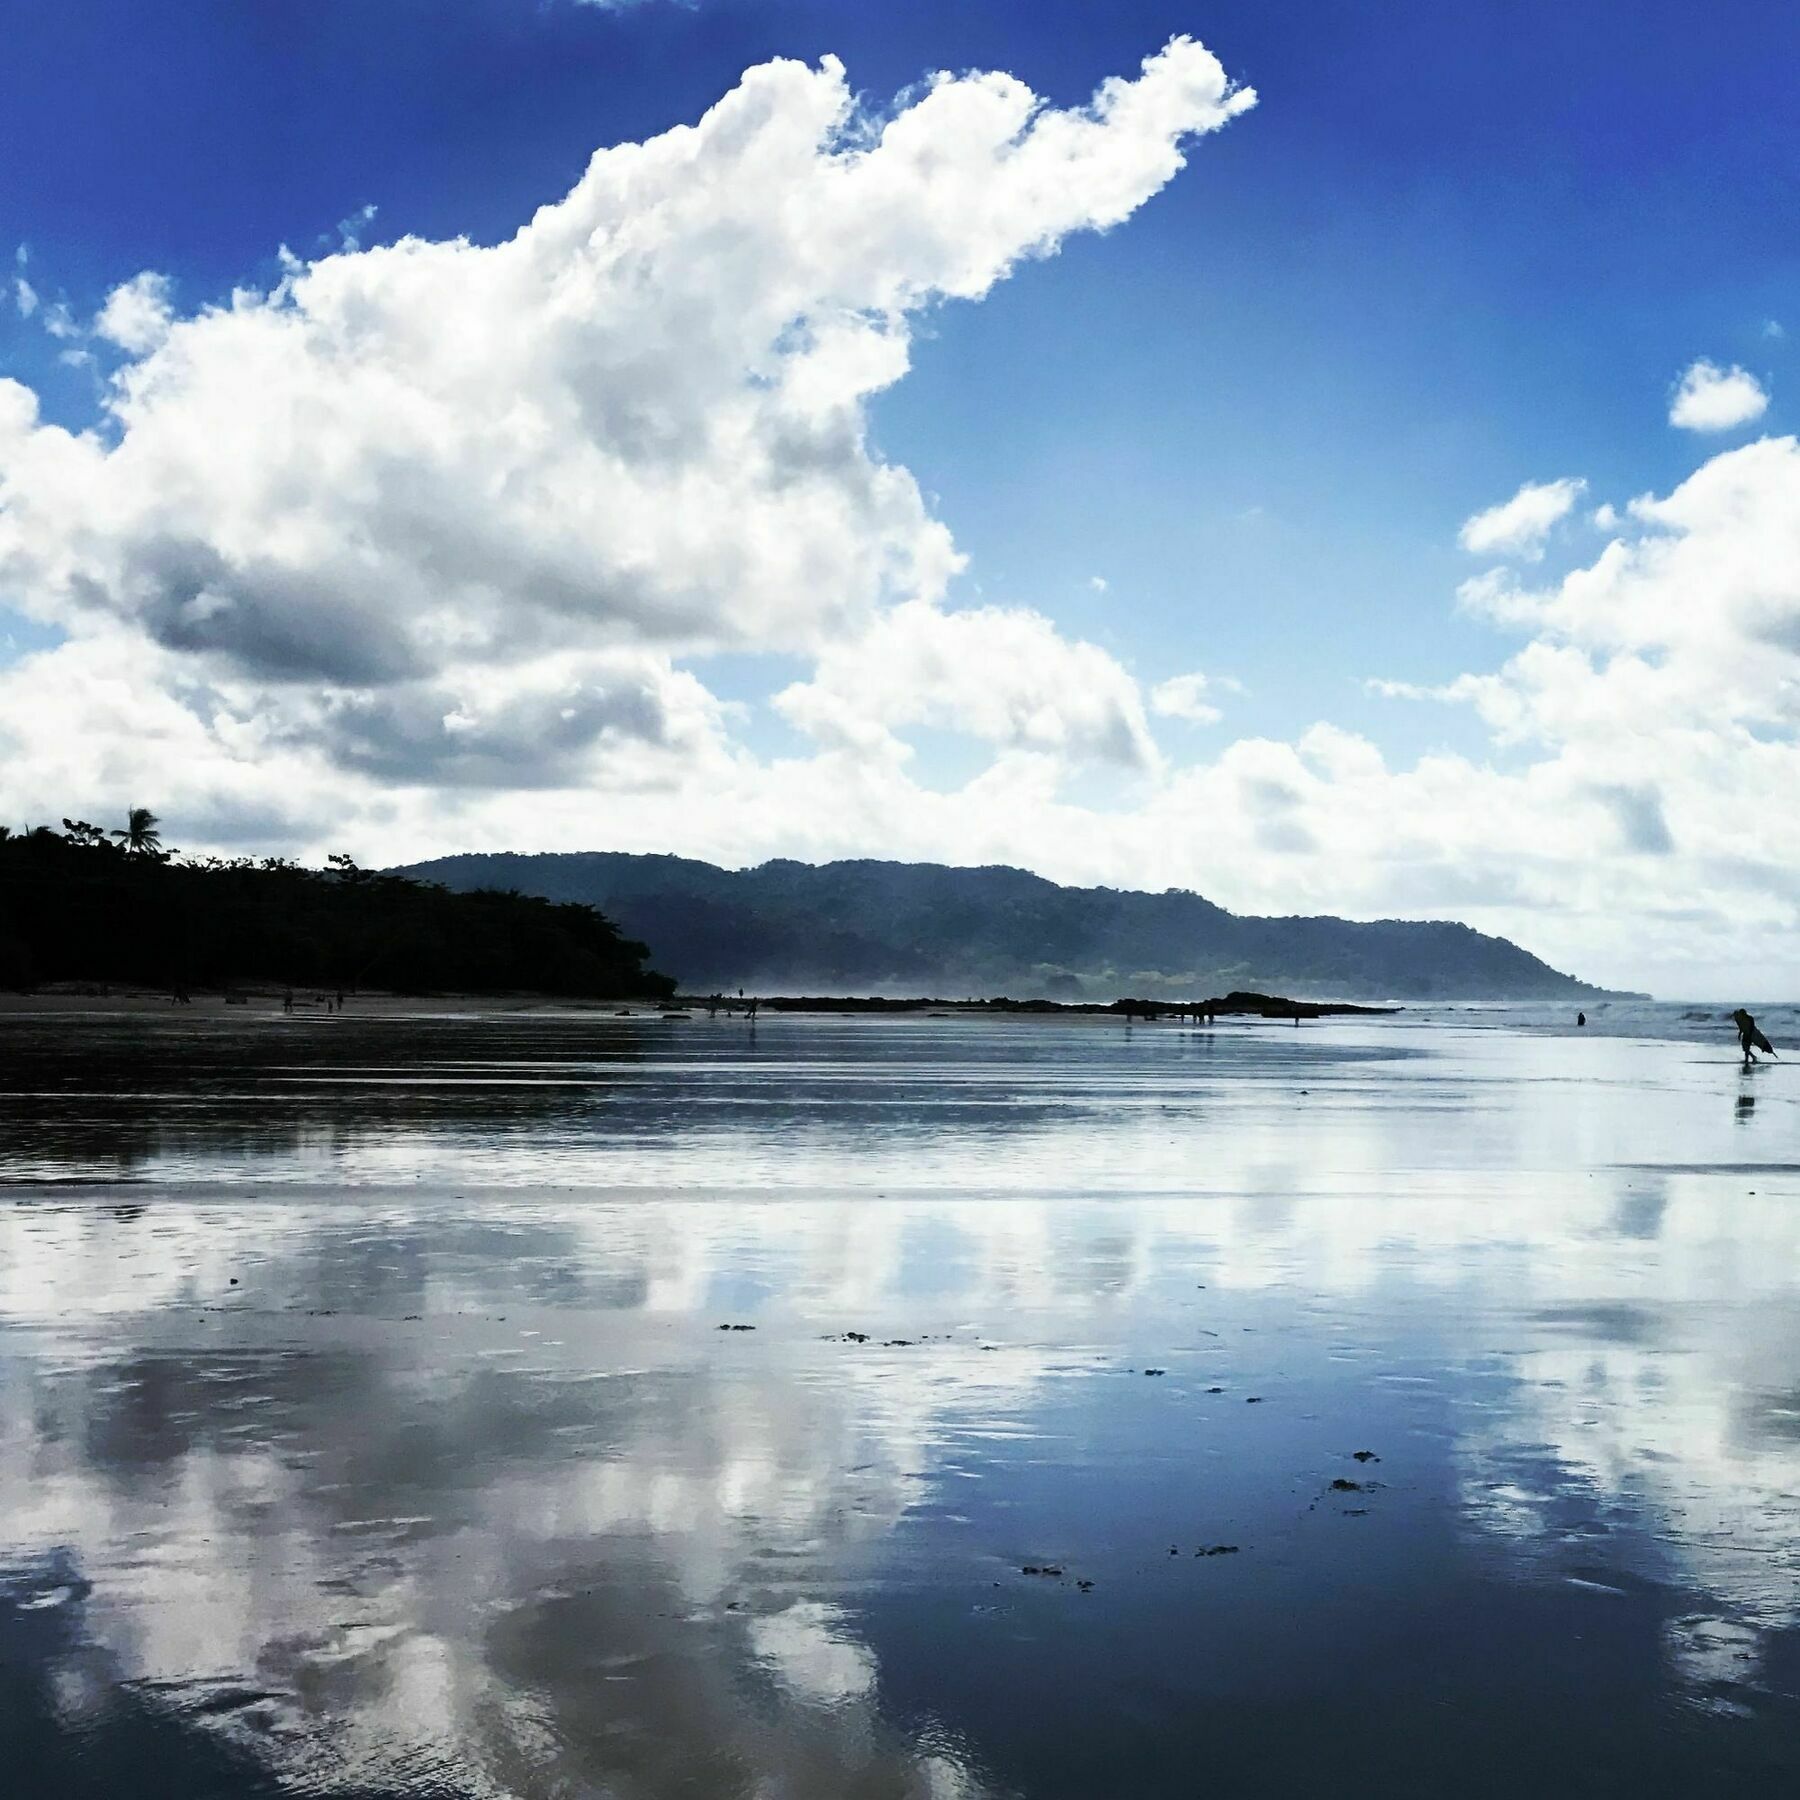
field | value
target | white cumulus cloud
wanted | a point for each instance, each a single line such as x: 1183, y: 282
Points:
x: 1005, y: 676
x: 1708, y: 398
x: 635, y: 428
x: 1519, y: 526
x: 137, y: 313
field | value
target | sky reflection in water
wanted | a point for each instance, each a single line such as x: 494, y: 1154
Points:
x: 371, y: 1431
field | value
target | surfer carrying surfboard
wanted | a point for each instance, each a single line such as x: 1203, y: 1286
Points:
x: 1749, y: 1038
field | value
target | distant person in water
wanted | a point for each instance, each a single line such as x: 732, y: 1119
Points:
x: 1581, y: 1018
x: 1750, y: 1039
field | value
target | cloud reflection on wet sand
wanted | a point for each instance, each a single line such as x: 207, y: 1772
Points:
x: 391, y: 1491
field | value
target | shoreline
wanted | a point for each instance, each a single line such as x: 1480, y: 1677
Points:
x: 1238, y: 1004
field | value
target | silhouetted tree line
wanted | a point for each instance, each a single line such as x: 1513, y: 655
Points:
x: 85, y: 903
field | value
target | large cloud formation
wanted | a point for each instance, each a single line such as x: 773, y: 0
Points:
x: 636, y: 425
x: 423, y: 549
x: 443, y: 515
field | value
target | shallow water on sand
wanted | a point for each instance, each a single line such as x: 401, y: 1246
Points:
x: 368, y: 1424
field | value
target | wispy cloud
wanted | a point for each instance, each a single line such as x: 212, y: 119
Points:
x: 1519, y: 526
x: 1184, y: 697
x: 350, y: 231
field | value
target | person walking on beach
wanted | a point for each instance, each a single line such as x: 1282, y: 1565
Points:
x: 1750, y: 1039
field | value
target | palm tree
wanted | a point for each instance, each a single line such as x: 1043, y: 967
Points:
x: 140, y: 833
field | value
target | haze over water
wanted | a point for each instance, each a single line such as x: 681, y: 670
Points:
x: 368, y: 1427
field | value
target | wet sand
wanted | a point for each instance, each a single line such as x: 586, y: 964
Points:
x: 370, y: 1423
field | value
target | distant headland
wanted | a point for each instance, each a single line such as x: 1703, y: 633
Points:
x: 893, y: 929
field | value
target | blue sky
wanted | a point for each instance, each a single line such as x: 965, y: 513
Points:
x: 1453, y: 241
x: 1453, y: 249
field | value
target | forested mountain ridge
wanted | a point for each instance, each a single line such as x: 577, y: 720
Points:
x: 924, y: 928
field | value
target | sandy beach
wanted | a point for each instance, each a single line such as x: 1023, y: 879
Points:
x: 542, y: 1403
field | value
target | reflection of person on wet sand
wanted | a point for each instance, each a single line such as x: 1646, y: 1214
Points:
x: 1750, y: 1039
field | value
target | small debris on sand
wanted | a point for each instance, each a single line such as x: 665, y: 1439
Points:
x: 1215, y: 1390
x: 1341, y: 1486
x: 1218, y: 1550
x: 1040, y: 1569
x: 1253, y: 1399
x: 737, y: 1327
x: 1087, y: 1587
x: 1364, y: 1456
x: 1156, y: 1371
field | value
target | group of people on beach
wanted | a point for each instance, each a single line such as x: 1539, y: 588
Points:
x: 715, y: 1001
x: 324, y: 1000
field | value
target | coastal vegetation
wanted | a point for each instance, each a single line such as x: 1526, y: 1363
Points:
x: 91, y: 904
